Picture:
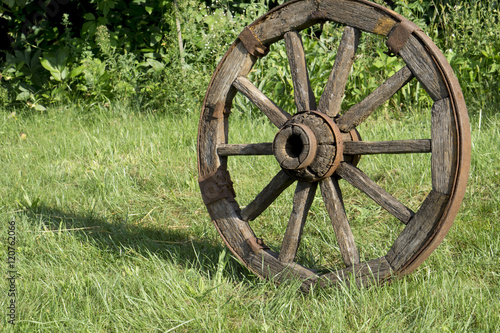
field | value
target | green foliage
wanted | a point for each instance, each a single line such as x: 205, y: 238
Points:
x: 123, y: 51
x: 468, y: 33
x: 128, y: 51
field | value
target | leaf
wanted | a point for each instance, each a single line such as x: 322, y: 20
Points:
x: 36, y: 58
x: 23, y: 96
x: 155, y: 64
x: 20, y: 65
x: 62, y: 57
x: 9, y: 3
x: 64, y: 73
x: 40, y: 108
x: 56, y: 65
x: 47, y: 65
x: 102, y: 69
x: 102, y: 21
x: 89, y: 17
x: 378, y: 64
x: 56, y: 76
x: 106, y: 6
x: 89, y: 27
x: 76, y: 71
x: 22, y: 56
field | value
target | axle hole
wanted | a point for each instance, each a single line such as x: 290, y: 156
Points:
x: 294, y: 146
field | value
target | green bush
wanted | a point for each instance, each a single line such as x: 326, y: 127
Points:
x: 128, y: 51
x: 123, y: 50
x: 468, y: 33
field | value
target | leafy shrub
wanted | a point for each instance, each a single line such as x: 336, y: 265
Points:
x: 122, y: 50
x: 468, y: 33
x: 128, y: 51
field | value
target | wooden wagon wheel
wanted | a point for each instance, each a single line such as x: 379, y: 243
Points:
x: 319, y: 144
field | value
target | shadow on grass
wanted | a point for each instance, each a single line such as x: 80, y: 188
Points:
x: 118, y: 236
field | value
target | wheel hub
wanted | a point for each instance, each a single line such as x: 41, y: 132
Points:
x: 309, y: 146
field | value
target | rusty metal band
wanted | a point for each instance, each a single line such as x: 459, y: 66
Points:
x: 399, y: 36
x: 252, y: 43
x: 216, y: 186
x: 339, y: 143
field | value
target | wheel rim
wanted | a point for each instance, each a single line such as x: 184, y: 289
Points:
x: 450, y: 143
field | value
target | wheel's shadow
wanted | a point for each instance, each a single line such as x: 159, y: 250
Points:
x: 170, y: 245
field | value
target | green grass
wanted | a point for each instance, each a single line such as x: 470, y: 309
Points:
x: 112, y: 235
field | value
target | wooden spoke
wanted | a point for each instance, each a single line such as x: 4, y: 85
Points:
x: 332, y: 197
x: 277, y: 116
x: 302, y: 200
x: 361, y: 181
x: 265, y: 148
x: 359, y: 112
x: 387, y: 147
x: 266, y: 197
x: 304, y: 96
x: 334, y: 90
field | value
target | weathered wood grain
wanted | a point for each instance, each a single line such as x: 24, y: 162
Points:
x: 265, y: 148
x: 237, y: 62
x: 361, y: 181
x: 363, y: 274
x: 236, y: 232
x: 359, y: 112
x: 332, y: 197
x: 298, y: 15
x: 278, y: 184
x: 387, y: 147
x: 333, y: 94
x: 294, y: 15
x: 418, y: 231
x: 424, y: 68
x: 267, y: 265
x: 304, y: 96
x: 213, y: 123
x: 208, y: 160
x: 302, y: 200
x: 294, y: 147
x: 233, y: 230
x: 277, y: 116
x: 444, y: 140
x: 463, y: 150
x: 366, y: 17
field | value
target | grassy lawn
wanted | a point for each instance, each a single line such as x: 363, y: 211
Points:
x: 112, y: 234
